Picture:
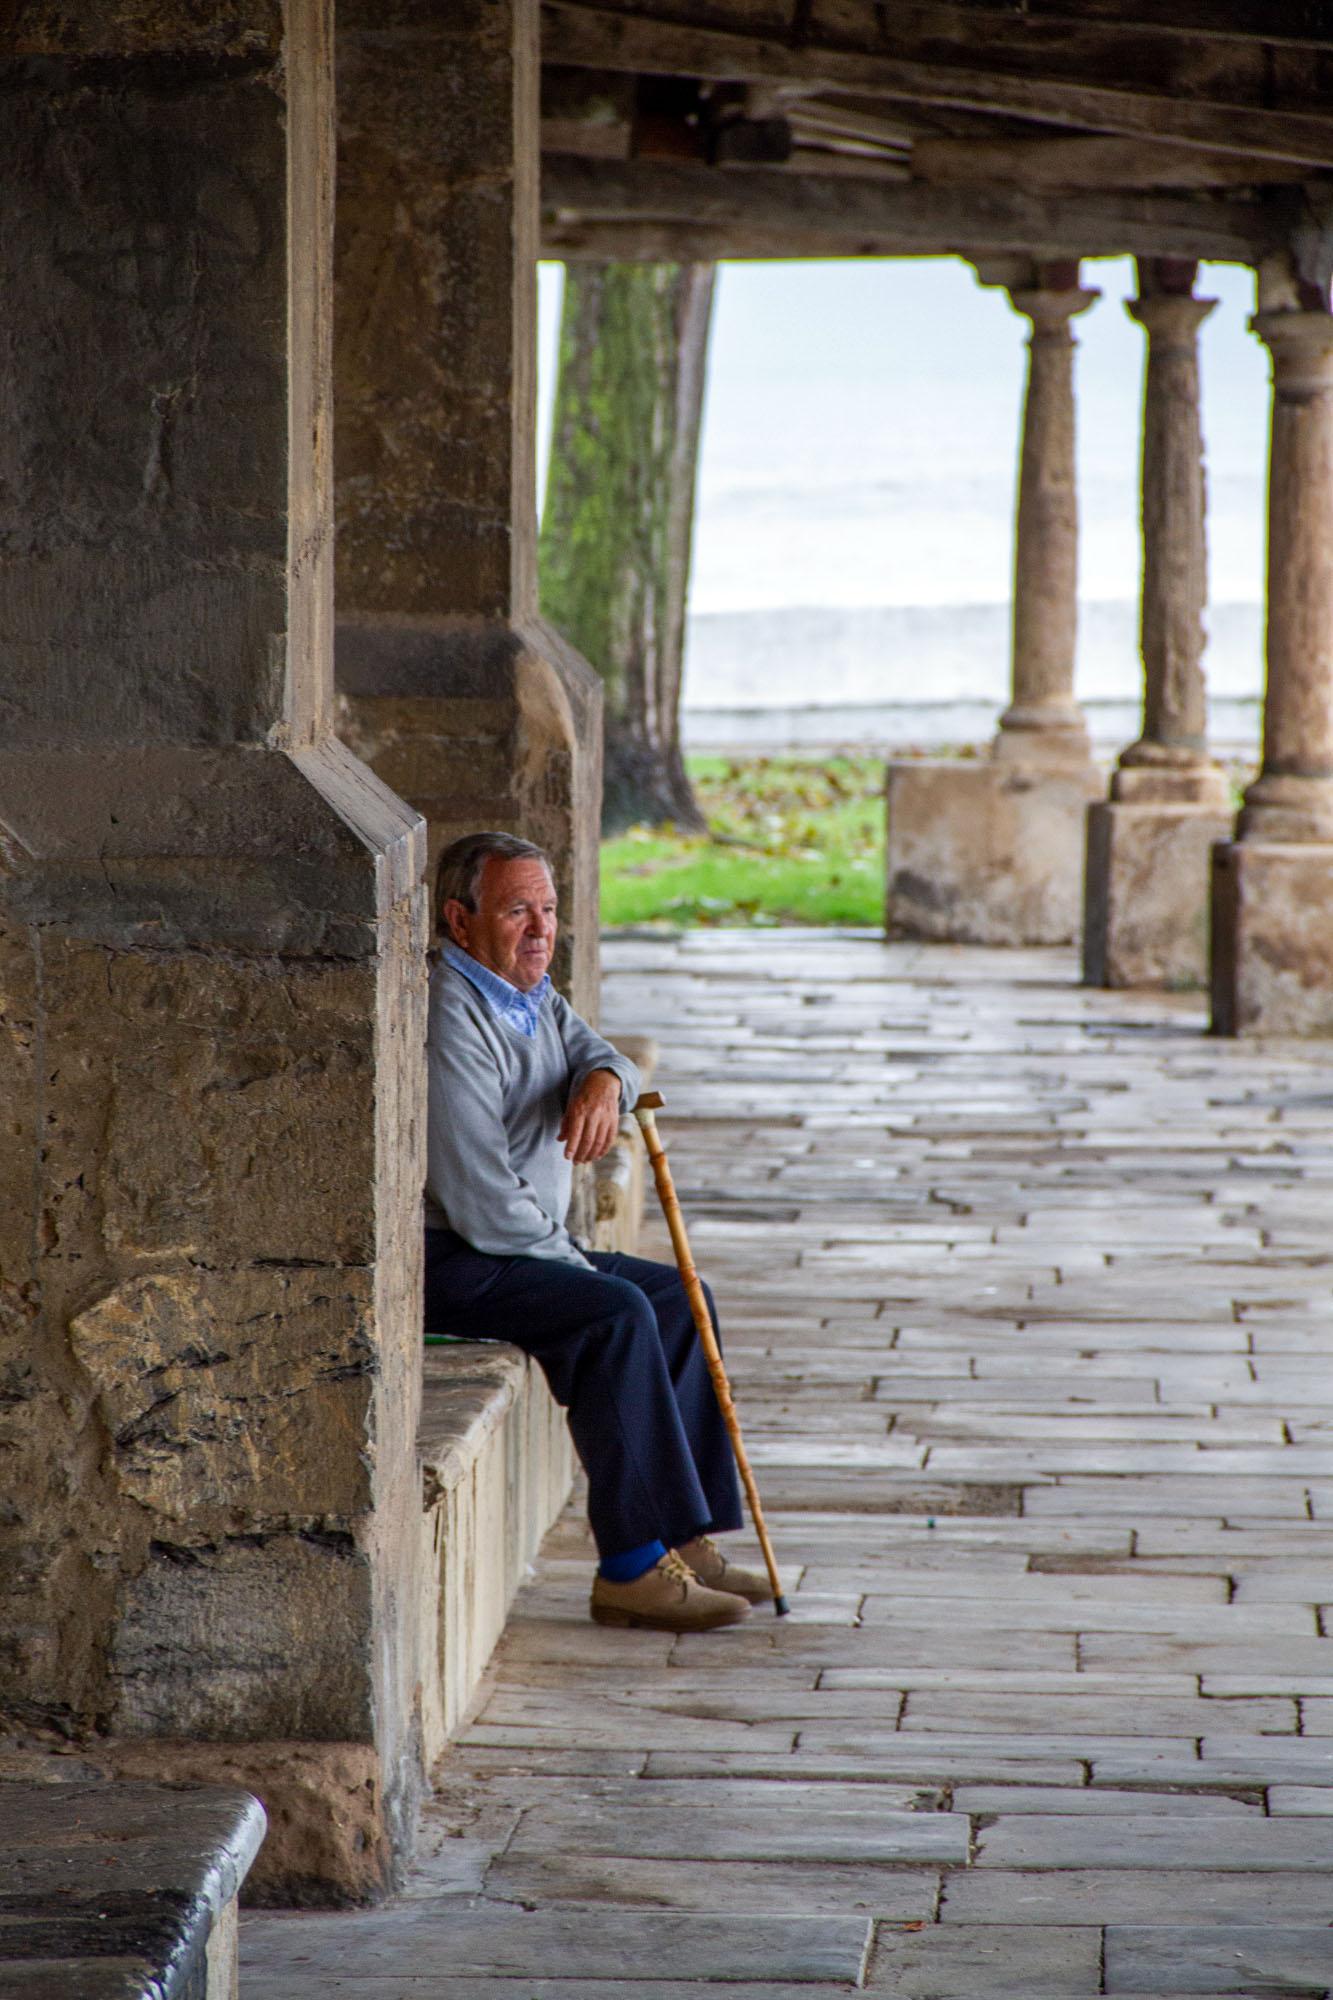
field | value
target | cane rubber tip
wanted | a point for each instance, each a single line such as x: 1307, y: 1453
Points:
x: 781, y: 1607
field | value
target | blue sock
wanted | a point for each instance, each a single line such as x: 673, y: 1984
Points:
x: 634, y: 1562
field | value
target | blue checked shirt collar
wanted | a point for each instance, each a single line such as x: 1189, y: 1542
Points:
x: 517, y: 1010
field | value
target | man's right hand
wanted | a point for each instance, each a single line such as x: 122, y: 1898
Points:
x: 592, y: 1118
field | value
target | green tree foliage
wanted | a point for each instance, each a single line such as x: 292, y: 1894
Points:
x: 619, y: 514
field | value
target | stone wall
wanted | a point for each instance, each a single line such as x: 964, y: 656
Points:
x: 451, y: 686
x: 211, y: 934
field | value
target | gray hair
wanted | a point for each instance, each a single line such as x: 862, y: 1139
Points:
x: 459, y: 870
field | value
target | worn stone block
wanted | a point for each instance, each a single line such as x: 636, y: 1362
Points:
x: 207, y: 1078
x: 987, y: 852
x: 204, y: 1429
x: 141, y: 1878
x: 258, y: 1635
x: 1146, y: 892
x: 326, y: 1843
x: 1272, y: 953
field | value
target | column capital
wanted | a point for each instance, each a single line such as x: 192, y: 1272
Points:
x: 1171, y: 318
x: 1051, y: 312
x: 1301, y: 344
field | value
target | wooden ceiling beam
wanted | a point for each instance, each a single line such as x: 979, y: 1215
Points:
x: 1068, y: 164
x: 603, y: 38
x: 832, y: 212
x: 577, y: 240
x: 1297, y: 23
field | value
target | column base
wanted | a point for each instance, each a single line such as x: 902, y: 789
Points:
x: 1272, y: 948
x: 1049, y: 739
x: 1196, y: 784
x: 988, y: 852
x: 1145, y: 906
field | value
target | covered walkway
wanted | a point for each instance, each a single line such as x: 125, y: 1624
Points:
x: 1028, y: 1289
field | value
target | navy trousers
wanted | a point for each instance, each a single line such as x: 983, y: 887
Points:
x: 619, y: 1347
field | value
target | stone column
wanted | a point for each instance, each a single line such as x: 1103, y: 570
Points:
x: 990, y: 851
x: 1042, y: 719
x: 1273, y: 885
x: 1148, y: 845
x: 451, y: 686
x: 211, y: 932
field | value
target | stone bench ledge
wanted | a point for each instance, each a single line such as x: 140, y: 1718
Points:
x: 496, y: 1467
x: 468, y: 1390
x: 118, y: 1891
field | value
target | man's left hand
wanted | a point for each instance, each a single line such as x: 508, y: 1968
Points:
x: 592, y: 1117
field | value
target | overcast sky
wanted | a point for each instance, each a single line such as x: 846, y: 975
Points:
x: 861, y: 428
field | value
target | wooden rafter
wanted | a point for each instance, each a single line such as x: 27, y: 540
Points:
x: 1219, y: 114
x: 842, y: 215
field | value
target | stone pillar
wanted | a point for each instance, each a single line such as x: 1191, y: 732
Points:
x: 990, y: 851
x: 1148, y: 844
x: 451, y: 686
x: 1272, y: 966
x: 211, y: 932
x: 1042, y: 719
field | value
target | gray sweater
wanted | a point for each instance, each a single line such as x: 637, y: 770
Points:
x: 495, y: 1172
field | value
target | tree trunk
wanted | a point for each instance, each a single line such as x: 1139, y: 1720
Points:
x: 619, y: 514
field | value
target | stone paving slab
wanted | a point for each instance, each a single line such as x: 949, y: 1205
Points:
x: 916, y: 1757
x: 1300, y: 1799
x: 995, y: 1959
x: 1102, y: 1801
x: 1128, y: 1895
x: 1099, y: 1714
x: 1294, y: 1959
x: 1029, y: 1302
x: 587, y: 1946
x: 744, y: 1832
x: 1046, y: 1607
x: 981, y: 1680
x: 428, y: 1986
x: 788, y: 1797
x: 706, y: 1885
x: 942, y: 1645
x: 1145, y: 1840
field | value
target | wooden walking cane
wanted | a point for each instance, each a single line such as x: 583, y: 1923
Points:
x: 651, y: 1102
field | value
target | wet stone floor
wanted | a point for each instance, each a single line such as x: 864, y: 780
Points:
x: 1029, y: 1308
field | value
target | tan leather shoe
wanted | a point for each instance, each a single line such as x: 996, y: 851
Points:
x: 709, y: 1564
x: 666, y: 1598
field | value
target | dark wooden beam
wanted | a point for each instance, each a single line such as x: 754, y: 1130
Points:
x: 1224, y: 110
x: 1304, y: 23
x: 829, y: 212
x: 574, y: 241
x: 1065, y: 165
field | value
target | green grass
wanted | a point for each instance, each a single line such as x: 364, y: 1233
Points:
x: 793, y: 840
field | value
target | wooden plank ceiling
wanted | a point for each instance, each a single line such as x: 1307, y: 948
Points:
x: 1042, y: 129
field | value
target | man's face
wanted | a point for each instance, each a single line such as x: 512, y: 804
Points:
x: 512, y: 929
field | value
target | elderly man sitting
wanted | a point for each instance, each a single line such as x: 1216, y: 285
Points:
x: 520, y: 1089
